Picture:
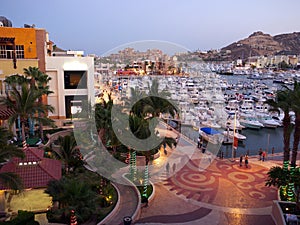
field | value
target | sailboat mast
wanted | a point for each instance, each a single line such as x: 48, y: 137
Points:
x: 233, y: 143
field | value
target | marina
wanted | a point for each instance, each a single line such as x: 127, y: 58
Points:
x: 226, y: 105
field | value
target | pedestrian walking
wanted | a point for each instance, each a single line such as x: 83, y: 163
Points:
x: 221, y: 155
x: 264, y: 155
x: 260, y: 153
x: 273, y: 150
x: 246, y: 161
x: 168, y: 167
x: 241, y: 160
x: 199, y: 142
x: 176, y: 142
x: 174, y: 167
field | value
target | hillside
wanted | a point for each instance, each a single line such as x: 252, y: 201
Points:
x: 289, y: 42
x: 260, y: 44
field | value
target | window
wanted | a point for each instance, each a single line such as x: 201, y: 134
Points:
x: 6, y: 51
x: 19, y: 51
x: 2, y: 52
x: 75, y: 79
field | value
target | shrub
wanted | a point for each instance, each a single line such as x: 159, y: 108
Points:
x: 23, y: 218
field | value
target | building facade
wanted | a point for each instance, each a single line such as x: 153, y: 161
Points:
x: 19, y: 49
x: 72, y: 81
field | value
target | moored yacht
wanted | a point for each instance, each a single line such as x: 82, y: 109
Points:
x: 267, y: 120
x: 250, y: 121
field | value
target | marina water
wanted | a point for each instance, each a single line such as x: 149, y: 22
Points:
x: 265, y: 138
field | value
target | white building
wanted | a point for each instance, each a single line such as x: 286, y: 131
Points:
x: 72, y: 81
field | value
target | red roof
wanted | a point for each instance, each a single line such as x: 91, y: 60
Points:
x: 5, y: 112
x: 34, y: 170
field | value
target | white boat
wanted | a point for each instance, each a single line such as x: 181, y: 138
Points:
x: 247, y: 106
x: 232, y: 107
x: 250, y: 121
x: 237, y: 135
x: 267, y: 121
x: 211, y: 124
x: 232, y: 123
x: 211, y: 135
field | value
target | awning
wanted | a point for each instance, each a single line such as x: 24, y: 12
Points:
x: 5, y: 112
x: 7, y: 39
x: 209, y: 130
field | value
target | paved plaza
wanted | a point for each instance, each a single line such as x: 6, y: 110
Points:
x: 222, y: 193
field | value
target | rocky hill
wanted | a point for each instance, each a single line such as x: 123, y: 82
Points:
x: 289, y: 42
x: 261, y: 44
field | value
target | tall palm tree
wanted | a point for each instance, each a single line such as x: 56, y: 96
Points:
x: 287, y: 99
x: 16, y: 81
x: 283, y: 101
x: 296, y: 108
x: 7, y: 151
x: 103, y: 118
x: 39, y: 80
x: 24, y: 103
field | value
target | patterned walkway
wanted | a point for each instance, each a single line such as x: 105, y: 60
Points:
x: 224, y: 193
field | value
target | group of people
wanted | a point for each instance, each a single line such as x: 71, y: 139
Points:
x: 168, y: 167
x: 246, y: 160
x: 262, y: 155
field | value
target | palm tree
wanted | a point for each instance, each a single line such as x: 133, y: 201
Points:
x: 24, y: 103
x: 156, y: 101
x: 72, y: 193
x: 68, y: 152
x: 296, y: 108
x: 7, y: 151
x: 15, y: 80
x: 135, y: 97
x: 288, y: 99
x: 39, y: 81
x: 283, y: 101
x: 277, y: 177
x: 103, y: 118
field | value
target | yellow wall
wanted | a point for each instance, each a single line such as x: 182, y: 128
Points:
x: 7, y: 69
x: 23, y: 36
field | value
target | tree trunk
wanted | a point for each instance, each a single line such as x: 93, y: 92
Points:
x: 286, y: 137
x: 114, y: 147
x: 296, y: 140
x: 66, y: 168
x: 23, y: 131
x: 102, y: 136
x: 40, y: 124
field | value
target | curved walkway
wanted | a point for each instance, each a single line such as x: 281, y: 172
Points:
x: 129, y: 204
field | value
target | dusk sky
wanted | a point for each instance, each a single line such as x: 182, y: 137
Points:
x: 97, y: 26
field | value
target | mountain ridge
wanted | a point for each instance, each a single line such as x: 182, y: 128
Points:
x: 262, y: 44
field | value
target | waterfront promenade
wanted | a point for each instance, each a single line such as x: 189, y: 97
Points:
x: 224, y: 193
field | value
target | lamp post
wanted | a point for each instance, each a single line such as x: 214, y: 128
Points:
x: 298, y: 199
